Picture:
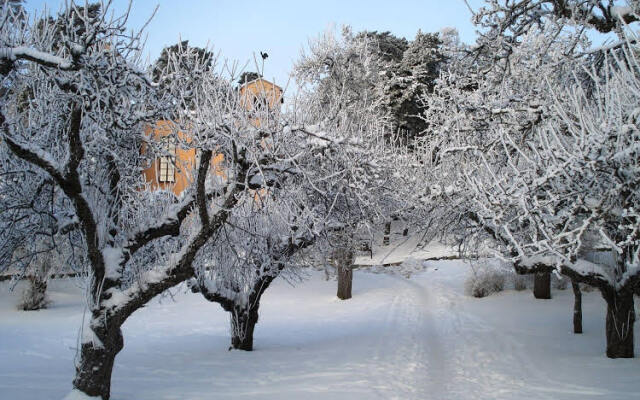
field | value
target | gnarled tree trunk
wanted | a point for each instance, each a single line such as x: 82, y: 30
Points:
x: 577, y: 307
x: 93, y: 372
x: 619, y: 324
x: 244, y: 316
x: 243, y: 322
x: 542, y: 285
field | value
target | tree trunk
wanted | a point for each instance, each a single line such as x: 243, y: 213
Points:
x: 343, y: 261
x: 243, y: 322
x: 542, y: 285
x: 577, y: 307
x: 619, y: 326
x: 93, y: 372
x: 345, y: 281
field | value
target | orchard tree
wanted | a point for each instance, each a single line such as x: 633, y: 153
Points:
x: 37, y: 231
x: 495, y: 123
x: 259, y: 246
x: 37, y: 234
x: 302, y: 211
x: 511, y: 19
x: 471, y: 100
x: 339, y: 81
x: 83, y: 128
x: 580, y: 181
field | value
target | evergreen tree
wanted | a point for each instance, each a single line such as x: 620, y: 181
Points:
x: 247, y: 77
x: 388, y: 47
x: 413, y: 78
x: 184, y: 63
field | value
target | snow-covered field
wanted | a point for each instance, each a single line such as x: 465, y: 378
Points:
x: 398, y: 338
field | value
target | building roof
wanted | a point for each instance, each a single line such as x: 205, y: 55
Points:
x: 260, y: 79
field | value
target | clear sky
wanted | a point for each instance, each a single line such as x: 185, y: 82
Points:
x: 239, y: 28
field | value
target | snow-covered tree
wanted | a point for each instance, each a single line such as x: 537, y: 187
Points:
x: 83, y: 128
x: 255, y: 252
x: 344, y: 70
x: 37, y: 237
x: 409, y: 81
x: 577, y: 184
x: 495, y: 124
x: 340, y: 80
x: 511, y: 19
x: 336, y: 178
x: 377, y: 68
x: 471, y: 101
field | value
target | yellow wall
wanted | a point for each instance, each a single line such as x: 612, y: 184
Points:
x: 261, y: 89
x: 185, y: 158
x: 185, y: 161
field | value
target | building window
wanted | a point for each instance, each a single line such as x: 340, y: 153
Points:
x: 167, y: 163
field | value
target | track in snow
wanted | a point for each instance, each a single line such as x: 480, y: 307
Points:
x: 417, y: 338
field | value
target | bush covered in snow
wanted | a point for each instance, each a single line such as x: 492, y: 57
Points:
x: 485, y: 280
x: 34, y: 296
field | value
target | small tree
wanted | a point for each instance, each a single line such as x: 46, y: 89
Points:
x: 83, y: 129
x: 332, y: 179
x: 259, y: 244
x: 340, y: 81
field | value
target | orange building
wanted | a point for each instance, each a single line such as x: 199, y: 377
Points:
x: 260, y: 93
x: 176, y: 171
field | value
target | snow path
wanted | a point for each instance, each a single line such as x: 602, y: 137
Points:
x: 398, y: 338
x: 402, y: 366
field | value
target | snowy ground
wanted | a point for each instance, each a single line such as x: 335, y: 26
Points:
x: 403, y: 248
x: 398, y: 338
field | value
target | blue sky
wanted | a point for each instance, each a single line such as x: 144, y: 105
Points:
x: 239, y: 28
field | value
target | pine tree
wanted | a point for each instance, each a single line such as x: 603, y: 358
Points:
x: 414, y: 77
x: 181, y: 62
x: 247, y: 77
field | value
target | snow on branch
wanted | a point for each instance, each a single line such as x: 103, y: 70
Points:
x: 36, y: 56
x: 580, y: 270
